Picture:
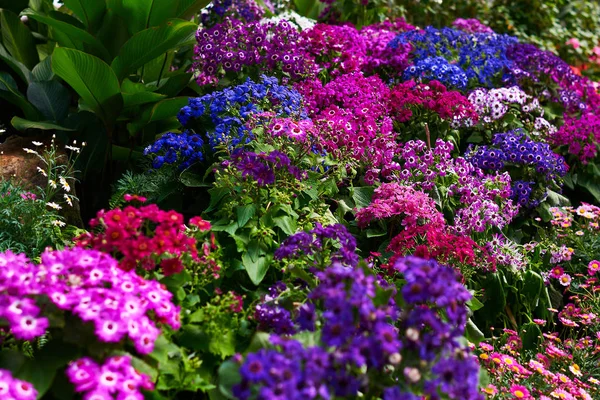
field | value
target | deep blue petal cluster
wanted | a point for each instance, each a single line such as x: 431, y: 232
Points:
x: 172, y: 148
x: 514, y: 148
x: 304, y: 244
x: 481, y: 56
x: 229, y: 109
x: 437, y: 68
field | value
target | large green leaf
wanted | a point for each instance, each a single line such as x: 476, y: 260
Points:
x: 256, y: 269
x: 10, y: 92
x: 90, y: 12
x: 164, y: 109
x: 43, y: 71
x: 142, y: 15
x: 23, y: 124
x: 18, y: 39
x: 151, y: 43
x: 92, y: 79
x: 188, y: 8
x: 17, y: 66
x: 72, y: 32
x: 51, y: 98
x: 135, y: 94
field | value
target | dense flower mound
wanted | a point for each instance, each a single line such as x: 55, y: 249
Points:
x: 352, y: 115
x: 516, y: 149
x: 12, y: 388
x: 220, y: 118
x: 115, y: 379
x: 580, y: 136
x: 88, y: 284
x: 242, y: 10
x: 126, y: 234
x: 448, y: 105
x: 456, y: 58
x: 237, y: 47
x: 359, y: 341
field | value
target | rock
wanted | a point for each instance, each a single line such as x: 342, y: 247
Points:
x: 15, y: 163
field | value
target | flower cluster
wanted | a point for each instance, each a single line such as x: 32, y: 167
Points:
x: 298, y: 131
x: 534, y: 159
x: 234, y: 47
x: 313, y: 242
x: 264, y: 167
x: 141, y: 237
x: 480, y: 57
x: 88, y: 284
x: 381, y: 58
x: 242, y: 10
x: 448, y: 105
x: 471, y: 25
x: 580, y: 136
x: 223, y: 114
x: 116, y: 378
x: 184, y: 149
x: 12, y: 388
x: 494, y: 104
x: 351, y: 115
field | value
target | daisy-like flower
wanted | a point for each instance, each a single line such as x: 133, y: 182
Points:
x: 58, y: 223
x: 593, y: 267
x: 565, y: 279
x: 52, y: 183
x: 579, y: 233
x: 38, y: 144
x: 29, y: 151
x: 68, y: 200
x: 65, y: 185
x: 557, y: 272
x: 41, y: 171
x: 575, y: 370
x: 53, y: 205
x: 490, y: 389
x: 73, y: 148
x: 520, y: 392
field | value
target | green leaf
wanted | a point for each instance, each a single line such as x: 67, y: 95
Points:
x: 92, y: 79
x: 90, y: 12
x: 256, y: 269
x: 135, y: 94
x: 51, y: 98
x: 193, y: 337
x: 223, y: 345
x: 23, y: 124
x: 556, y: 199
x: 591, y: 185
x: 18, y: 39
x: 142, y: 15
x: 362, y: 196
x: 494, y: 296
x: 150, y: 43
x: 14, y: 5
x: 43, y: 71
x: 473, y: 333
x: 216, y: 195
x: 73, y: 33
x: 174, y: 84
x: 15, y: 65
x: 10, y: 92
x: 229, y: 376
x: 244, y: 213
x: 533, y: 283
x: 286, y: 223
x: 531, y: 335
x: 190, y: 179
x: 474, y: 304
x: 189, y: 8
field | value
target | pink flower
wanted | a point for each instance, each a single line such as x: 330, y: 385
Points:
x: 520, y: 392
x: 565, y: 279
x: 593, y: 267
x: 573, y: 42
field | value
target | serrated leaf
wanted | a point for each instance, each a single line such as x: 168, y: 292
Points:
x: 244, y: 213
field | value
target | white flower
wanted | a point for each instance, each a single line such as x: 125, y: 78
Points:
x: 58, y: 223
x: 29, y: 151
x: 72, y: 148
x: 64, y: 184
x: 54, y: 205
x: 52, y: 183
x: 41, y: 171
x: 68, y: 200
x: 37, y: 143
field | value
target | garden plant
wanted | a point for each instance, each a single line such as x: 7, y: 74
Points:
x: 276, y: 199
